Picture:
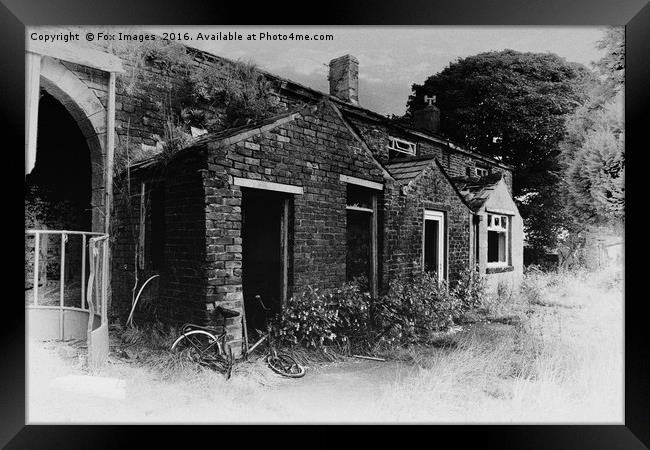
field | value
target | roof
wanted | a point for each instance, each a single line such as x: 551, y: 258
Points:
x: 406, y: 169
x: 350, y: 109
x: 476, y: 191
x: 241, y: 132
x: 236, y: 134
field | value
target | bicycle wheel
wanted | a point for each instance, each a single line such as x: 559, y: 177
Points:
x: 285, y: 365
x: 195, y: 343
x: 202, y: 347
x: 221, y: 362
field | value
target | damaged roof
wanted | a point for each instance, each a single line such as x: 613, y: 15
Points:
x: 476, y: 191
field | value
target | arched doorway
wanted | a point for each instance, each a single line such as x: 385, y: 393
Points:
x: 59, y: 187
x: 66, y: 146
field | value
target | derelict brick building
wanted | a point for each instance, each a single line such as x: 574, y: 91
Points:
x: 316, y: 196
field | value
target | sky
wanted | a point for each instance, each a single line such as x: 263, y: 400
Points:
x: 391, y: 59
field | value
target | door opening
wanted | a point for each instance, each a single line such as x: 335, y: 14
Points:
x: 433, y: 253
x: 264, y: 254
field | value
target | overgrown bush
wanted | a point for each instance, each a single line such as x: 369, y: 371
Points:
x: 413, y: 309
x: 316, y: 317
x: 470, y: 289
x: 233, y: 96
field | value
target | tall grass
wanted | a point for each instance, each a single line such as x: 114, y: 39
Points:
x: 562, y: 362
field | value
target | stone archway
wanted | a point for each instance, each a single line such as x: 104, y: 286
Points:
x: 89, y: 113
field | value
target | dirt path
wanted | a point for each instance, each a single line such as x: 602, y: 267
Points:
x: 343, y: 392
x: 337, y: 392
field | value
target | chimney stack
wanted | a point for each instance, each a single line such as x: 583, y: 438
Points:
x: 428, y: 118
x: 344, y: 79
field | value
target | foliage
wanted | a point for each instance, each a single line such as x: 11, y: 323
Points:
x: 413, y: 309
x: 612, y: 64
x: 232, y: 96
x: 512, y: 106
x: 44, y: 209
x: 594, y: 175
x: 323, y: 317
x: 593, y: 151
x: 470, y: 288
x: 532, y: 286
x: 164, y: 57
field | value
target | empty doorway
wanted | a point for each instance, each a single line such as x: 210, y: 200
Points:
x: 264, y: 253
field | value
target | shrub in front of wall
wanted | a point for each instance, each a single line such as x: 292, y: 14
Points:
x: 413, y: 309
x: 317, y: 317
x: 470, y: 289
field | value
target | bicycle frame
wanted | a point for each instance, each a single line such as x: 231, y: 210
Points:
x: 265, y: 336
x: 219, y: 339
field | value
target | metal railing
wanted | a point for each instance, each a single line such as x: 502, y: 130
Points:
x: 94, y: 286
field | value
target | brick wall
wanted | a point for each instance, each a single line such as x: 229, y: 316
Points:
x: 455, y: 163
x: 404, y: 217
x: 178, y: 295
x: 311, y: 151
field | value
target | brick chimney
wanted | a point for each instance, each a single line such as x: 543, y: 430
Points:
x: 344, y: 79
x: 428, y: 118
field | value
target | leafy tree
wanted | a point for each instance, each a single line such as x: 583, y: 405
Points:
x: 593, y: 153
x: 612, y: 65
x: 512, y: 106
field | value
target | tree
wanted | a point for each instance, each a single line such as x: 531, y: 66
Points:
x: 513, y: 106
x: 593, y: 152
x: 612, y: 65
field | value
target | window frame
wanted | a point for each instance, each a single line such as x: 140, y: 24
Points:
x: 374, y: 189
x: 393, y: 143
x: 490, y: 225
x: 440, y: 217
x: 481, y: 171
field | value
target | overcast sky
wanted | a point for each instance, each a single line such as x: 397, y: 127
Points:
x: 391, y: 59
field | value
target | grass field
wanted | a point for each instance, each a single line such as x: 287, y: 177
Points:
x: 561, y: 360
x: 552, y: 353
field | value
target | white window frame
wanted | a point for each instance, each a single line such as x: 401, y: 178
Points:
x: 481, y: 172
x: 402, y: 146
x: 492, y: 218
x: 438, y: 216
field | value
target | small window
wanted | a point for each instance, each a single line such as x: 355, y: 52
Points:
x: 498, y: 240
x: 481, y: 172
x: 359, y: 198
x: 400, y: 148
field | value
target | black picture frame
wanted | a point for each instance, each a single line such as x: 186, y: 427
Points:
x: 634, y: 14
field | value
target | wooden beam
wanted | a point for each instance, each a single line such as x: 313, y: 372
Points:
x: 361, y: 182
x: 374, y: 285
x: 143, y: 221
x: 359, y: 208
x: 77, y: 54
x: 267, y: 185
x: 284, y: 245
